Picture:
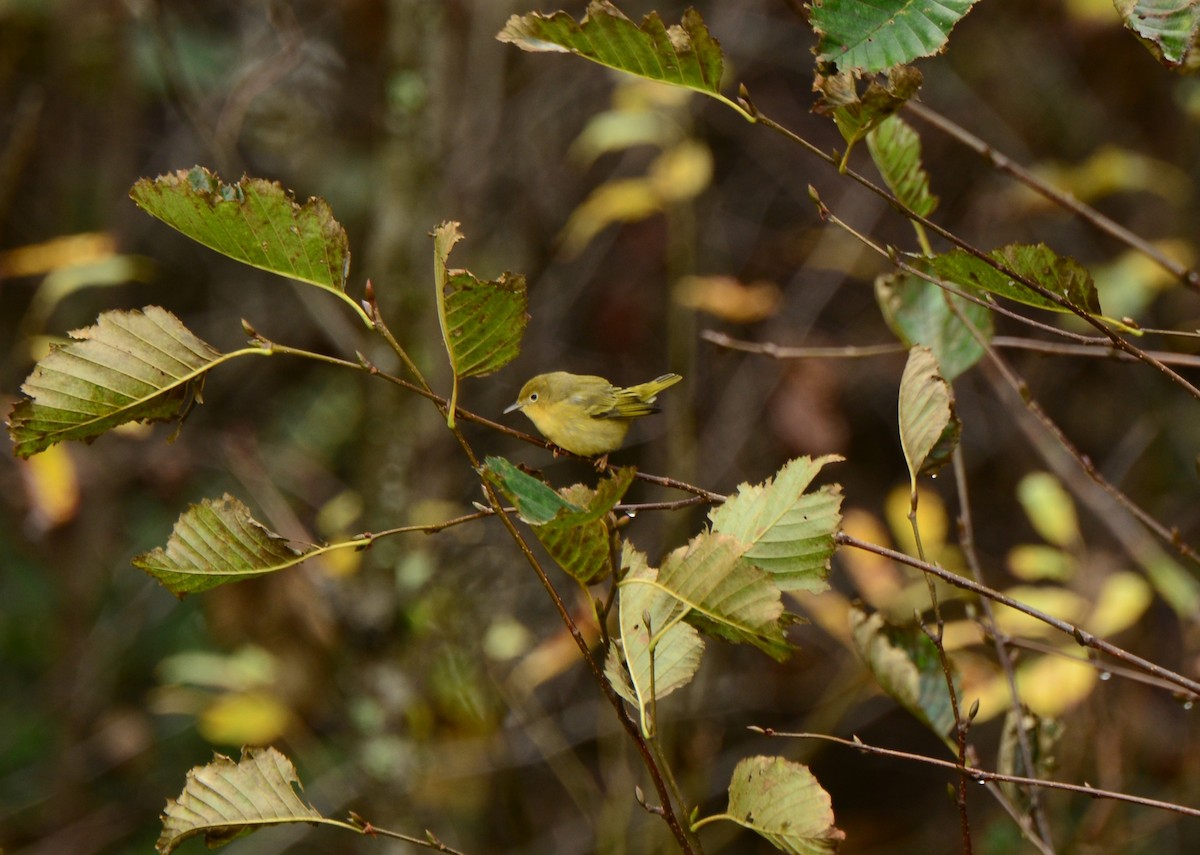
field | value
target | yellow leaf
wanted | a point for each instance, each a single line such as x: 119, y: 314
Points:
x: 682, y: 172
x: 876, y: 579
x: 1035, y: 562
x: 244, y: 718
x: 1059, y: 602
x: 932, y: 520
x: 69, y: 250
x: 624, y: 200
x: 1122, y: 601
x: 52, y: 487
x: 1049, y: 686
x: 726, y: 298
x: 1049, y: 508
x: 1052, y: 685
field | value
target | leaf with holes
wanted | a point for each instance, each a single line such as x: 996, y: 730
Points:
x: 224, y: 800
x: 873, y: 35
x: 1168, y: 28
x: 857, y: 114
x: 482, y: 322
x: 783, y: 802
x: 1061, y: 275
x: 684, y: 54
x: 131, y: 366
x: 214, y: 543
x: 254, y: 221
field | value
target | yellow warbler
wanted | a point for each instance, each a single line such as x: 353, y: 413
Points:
x: 585, y: 414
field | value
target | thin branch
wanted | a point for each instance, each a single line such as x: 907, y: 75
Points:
x: 966, y: 541
x: 1064, y: 200
x: 1095, y: 348
x: 1018, y: 385
x: 983, y: 775
x: 1190, y: 688
x: 1117, y: 341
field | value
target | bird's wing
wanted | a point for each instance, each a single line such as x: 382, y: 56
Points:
x: 599, y: 402
x: 628, y: 404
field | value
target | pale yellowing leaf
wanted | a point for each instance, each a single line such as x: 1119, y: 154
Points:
x: 224, y: 800
x: 929, y: 428
x: 681, y: 172
x: 51, y: 487
x: 1049, y: 507
x: 244, y: 718
x: 1123, y: 599
x: 726, y: 298
x: 877, y: 580
x: 623, y: 200
x: 783, y: 802
x: 723, y: 595
x: 783, y: 529
x: 1036, y: 562
x: 661, y: 656
x: 1058, y: 602
x: 932, y: 520
x: 1052, y: 686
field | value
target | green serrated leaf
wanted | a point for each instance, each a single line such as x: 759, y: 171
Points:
x: 482, y: 322
x: 929, y: 429
x: 783, y: 802
x: 783, y: 530
x: 874, y: 35
x: 661, y: 657
x: 131, y: 366
x: 537, y: 502
x: 571, y: 525
x: 919, y: 312
x: 214, y: 543
x: 896, y: 149
x: 254, y: 221
x: 906, y: 665
x: 683, y: 54
x: 225, y: 800
x: 1038, y: 263
x: 725, y: 597
x: 1168, y: 28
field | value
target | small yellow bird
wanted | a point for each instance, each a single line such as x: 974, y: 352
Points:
x: 585, y: 414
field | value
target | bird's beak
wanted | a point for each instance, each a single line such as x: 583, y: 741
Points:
x: 511, y: 407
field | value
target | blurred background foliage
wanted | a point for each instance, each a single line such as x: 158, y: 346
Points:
x: 427, y: 683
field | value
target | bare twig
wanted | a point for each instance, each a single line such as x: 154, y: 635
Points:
x: 1117, y: 341
x: 1190, y: 688
x: 983, y: 775
x: 966, y: 540
x: 1064, y: 200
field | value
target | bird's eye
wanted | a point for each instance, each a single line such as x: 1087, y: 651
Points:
x: 533, y: 396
